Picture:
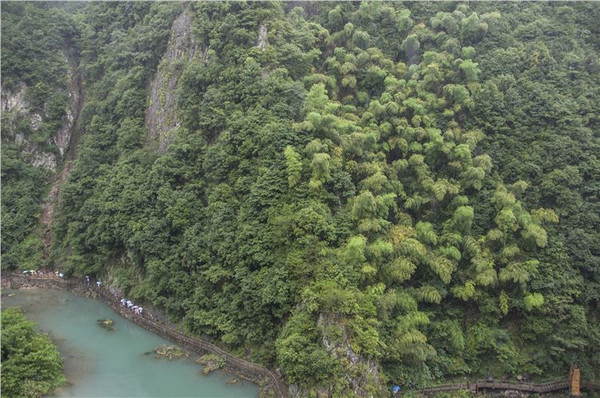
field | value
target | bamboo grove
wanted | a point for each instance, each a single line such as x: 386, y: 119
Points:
x: 379, y: 193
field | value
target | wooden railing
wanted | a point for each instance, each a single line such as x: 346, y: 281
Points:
x: 479, y: 386
x: 252, y: 371
x: 590, y: 385
x: 525, y: 387
x: 255, y: 371
x: 249, y: 370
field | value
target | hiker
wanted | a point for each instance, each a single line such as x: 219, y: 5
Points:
x: 99, y: 284
x: 61, y: 275
x: 87, y: 280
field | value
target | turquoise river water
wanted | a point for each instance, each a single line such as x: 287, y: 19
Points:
x: 102, y: 363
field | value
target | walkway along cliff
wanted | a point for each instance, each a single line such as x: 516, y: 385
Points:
x: 253, y: 372
x: 267, y: 380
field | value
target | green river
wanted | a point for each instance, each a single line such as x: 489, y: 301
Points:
x: 102, y: 363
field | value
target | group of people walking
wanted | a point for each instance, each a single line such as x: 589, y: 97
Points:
x: 135, y: 308
x: 126, y: 303
x: 43, y: 274
x: 138, y: 310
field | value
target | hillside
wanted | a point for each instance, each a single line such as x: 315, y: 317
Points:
x: 357, y: 194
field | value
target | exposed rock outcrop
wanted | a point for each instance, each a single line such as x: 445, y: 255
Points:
x: 161, y: 114
x: 63, y: 137
x: 262, y: 38
x: 66, y: 141
x: 16, y: 104
x: 362, y: 373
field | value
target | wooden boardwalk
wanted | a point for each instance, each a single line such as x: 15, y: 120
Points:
x: 246, y: 369
x: 256, y: 372
x: 523, y: 387
x: 240, y: 366
x: 483, y: 386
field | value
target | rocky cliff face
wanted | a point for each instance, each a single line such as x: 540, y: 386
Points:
x: 17, y: 120
x: 262, y: 38
x: 21, y: 120
x: 65, y: 140
x: 362, y: 374
x: 161, y: 114
x: 64, y: 136
x: 22, y: 123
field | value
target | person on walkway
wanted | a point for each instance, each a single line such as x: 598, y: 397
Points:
x: 61, y: 275
x: 87, y: 280
x: 99, y: 284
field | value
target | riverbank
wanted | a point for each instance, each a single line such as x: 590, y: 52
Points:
x: 121, y: 362
x: 270, y: 384
x: 22, y: 341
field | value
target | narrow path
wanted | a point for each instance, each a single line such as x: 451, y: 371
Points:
x: 246, y: 369
x: 249, y: 370
x: 481, y: 386
x: 50, y: 202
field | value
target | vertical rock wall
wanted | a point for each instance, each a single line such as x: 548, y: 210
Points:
x: 161, y: 114
x: 17, y: 108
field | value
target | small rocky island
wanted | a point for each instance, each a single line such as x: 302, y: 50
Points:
x: 107, y: 324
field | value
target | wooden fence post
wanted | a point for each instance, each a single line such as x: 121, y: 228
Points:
x: 575, y: 381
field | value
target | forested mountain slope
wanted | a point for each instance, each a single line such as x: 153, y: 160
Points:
x: 41, y: 98
x: 360, y: 194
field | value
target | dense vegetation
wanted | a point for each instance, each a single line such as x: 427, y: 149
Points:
x: 400, y: 193
x: 31, y: 365
x: 34, y: 42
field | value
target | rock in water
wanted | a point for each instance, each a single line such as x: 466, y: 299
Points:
x: 211, y: 362
x: 170, y: 352
x: 106, y: 324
